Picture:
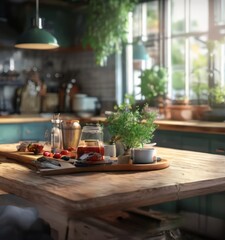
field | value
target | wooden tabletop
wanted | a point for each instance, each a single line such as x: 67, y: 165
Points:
x: 189, y: 174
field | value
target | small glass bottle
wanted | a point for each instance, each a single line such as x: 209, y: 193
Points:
x: 56, y: 134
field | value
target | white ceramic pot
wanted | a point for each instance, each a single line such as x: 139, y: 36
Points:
x: 143, y: 155
x: 110, y: 150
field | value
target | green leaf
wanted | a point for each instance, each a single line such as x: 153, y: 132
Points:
x: 131, y: 127
x: 107, y: 24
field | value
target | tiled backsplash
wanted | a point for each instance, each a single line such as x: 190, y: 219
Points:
x: 93, y: 80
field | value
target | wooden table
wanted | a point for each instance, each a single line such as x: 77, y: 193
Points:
x: 63, y: 198
x: 189, y: 174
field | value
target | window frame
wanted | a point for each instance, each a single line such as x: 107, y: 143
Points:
x: 165, y: 37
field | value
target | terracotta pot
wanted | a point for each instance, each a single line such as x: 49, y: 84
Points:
x: 199, y: 111
x: 124, y: 159
x: 181, y: 112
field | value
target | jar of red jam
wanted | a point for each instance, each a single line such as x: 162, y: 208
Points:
x: 91, y: 143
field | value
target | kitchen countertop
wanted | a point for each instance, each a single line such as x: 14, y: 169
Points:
x: 183, y: 126
x: 44, y: 118
x: 192, y: 126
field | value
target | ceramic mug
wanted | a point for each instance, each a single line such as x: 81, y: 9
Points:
x: 143, y: 155
x: 110, y: 150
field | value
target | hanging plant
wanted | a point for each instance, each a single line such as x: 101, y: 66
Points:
x: 107, y: 24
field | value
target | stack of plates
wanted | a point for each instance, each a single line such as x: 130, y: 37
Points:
x: 83, y: 105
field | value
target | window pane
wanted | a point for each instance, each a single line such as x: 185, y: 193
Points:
x: 153, y: 51
x: 178, y: 67
x: 178, y: 51
x: 178, y: 83
x: 137, y: 90
x: 152, y: 18
x: 178, y: 16
x: 152, y: 43
x: 216, y: 63
x: 199, y: 70
x: 219, y: 9
x: 199, y: 15
x: 137, y: 31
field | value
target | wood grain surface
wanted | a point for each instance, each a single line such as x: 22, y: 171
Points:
x: 29, y: 159
x: 81, y: 194
x: 108, y: 168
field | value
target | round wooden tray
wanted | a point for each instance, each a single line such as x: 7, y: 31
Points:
x: 67, y: 168
x: 163, y: 163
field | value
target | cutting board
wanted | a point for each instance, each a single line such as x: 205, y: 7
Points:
x: 23, y: 157
x: 29, y: 158
x: 67, y: 168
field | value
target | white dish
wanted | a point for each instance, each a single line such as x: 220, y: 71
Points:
x: 149, y: 145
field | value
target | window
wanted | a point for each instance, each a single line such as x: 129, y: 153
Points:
x: 146, y: 29
x: 186, y: 37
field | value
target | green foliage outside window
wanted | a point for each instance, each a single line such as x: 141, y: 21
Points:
x: 152, y: 17
x: 178, y: 83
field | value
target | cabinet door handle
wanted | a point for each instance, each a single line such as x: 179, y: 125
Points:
x: 220, y: 150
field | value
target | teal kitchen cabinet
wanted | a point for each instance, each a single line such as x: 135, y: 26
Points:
x: 218, y: 145
x: 207, y: 209
x: 36, y: 131
x: 12, y: 133
x: 196, y: 142
x: 200, y: 142
x: 169, y: 139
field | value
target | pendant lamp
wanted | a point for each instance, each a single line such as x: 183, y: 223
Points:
x: 139, y: 51
x: 36, y: 37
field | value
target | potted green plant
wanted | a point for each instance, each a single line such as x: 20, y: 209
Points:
x: 217, y: 103
x: 153, y: 84
x: 200, y: 89
x: 131, y: 127
x: 217, y: 96
x: 180, y: 109
x: 107, y: 27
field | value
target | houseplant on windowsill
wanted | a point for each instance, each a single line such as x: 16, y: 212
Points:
x: 217, y: 104
x: 199, y: 87
x: 153, y: 84
x: 131, y: 128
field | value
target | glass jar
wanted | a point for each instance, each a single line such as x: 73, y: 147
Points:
x: 91, y: 143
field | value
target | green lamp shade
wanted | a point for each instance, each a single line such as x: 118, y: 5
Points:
x: 36, y: 38
x: 139, y: 51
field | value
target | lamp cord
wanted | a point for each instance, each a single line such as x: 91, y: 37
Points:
x: 37, y: 13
